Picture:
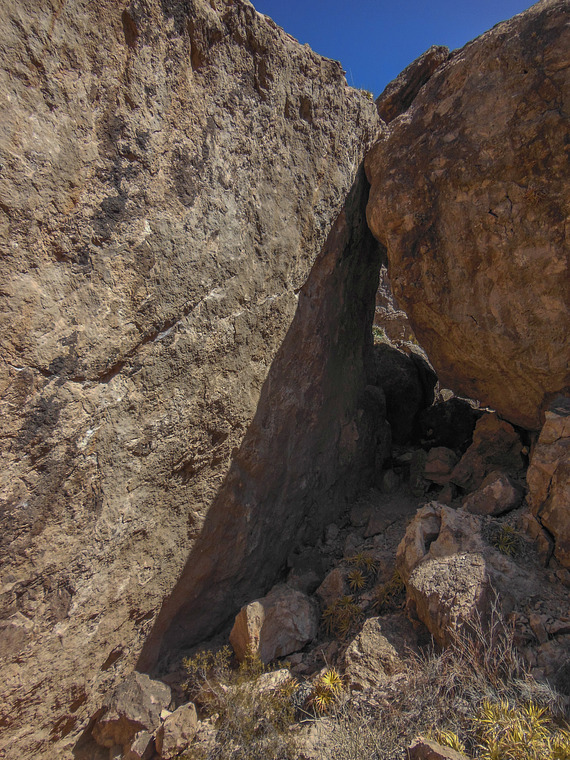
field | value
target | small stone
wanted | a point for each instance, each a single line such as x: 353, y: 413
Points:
x: 537, y: 626
x: 142, y: 747
x: 447, y: 494
x: 177, y: 731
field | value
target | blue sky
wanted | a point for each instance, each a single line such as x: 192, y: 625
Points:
x: 375, y: 39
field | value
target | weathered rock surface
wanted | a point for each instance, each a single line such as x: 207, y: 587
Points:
x: 371, y: 657
x: 470, y: 197
x: 400, y: 92
x: 496, y: 495
x: 134, y: 706
x: 170, y: 172
x: 388, y: 317
x: 496, y: 446
x: 177, y: 731
x: 452, y: 571
x: 426, y: 749
x: 548, y: 477
x: 276, y: 625
x: 450, y: 592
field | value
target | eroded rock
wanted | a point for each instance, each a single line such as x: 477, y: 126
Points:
x: 134, y: 706
x: 427, y: 749
x: 371, y: 658
x: 496, y: 495
x: 496, y: 446
x: 469, y: 195
x: 177, y: 731
x: 400, y: 92
x: 170, y: 174
x: 280, y: 623
x: 548, y: 478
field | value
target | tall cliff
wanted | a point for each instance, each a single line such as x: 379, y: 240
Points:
x: 170, y: 171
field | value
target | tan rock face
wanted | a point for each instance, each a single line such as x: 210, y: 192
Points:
x: 470, y: 197
x: 548, y: 478
x: 170, y: 172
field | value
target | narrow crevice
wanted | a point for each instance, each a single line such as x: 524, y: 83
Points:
x: 307, y: 452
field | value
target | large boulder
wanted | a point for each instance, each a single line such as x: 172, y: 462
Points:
x: 170, y: 172
x: 548, y: 477
x: 452, y: 570
x: 470, y: 196
x: 276, y: 625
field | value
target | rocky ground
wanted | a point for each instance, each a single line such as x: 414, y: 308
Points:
x: 415, y: 562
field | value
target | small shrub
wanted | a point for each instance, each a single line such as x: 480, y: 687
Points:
x: 326, y: 691
x: 519, y: 732
x: 504, y: 538
x: 390, y: 596
x: 341, y: 616
x: 356, y: 580
x: 252, y: 724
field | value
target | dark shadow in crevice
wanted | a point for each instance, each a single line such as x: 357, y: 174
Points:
x: 309, y: 448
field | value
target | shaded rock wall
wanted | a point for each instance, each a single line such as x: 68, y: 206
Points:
x: 310, y: 444
x: 470, y: 196
x: 170, y: 171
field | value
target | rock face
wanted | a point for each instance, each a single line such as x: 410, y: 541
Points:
x: 548, y: 477
x: 400, y: 93
x: 170, y: 172
x: 470, y: 197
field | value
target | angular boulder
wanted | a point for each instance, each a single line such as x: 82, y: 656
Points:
x: 470, y: 197
x: 439, y: 465
x: 279, y: 624
x: 177, y: 731
x: 449, y: 566
x: 372, y: 657
x: 449, y: 593
x: 427, y: 749
x: 134, y: 706
x: 548, y: 477
x: 496, y: 495
x: 496, y: 445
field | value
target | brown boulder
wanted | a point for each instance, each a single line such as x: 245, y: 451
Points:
x: 548, y: 478
x: 276, y: 625
x: 439, y: 465
x: 134, y: 706
x: 449, y: 593
x: 496, y: 495
x: 496, y: 446
x: 370, y: 658
x: 426, y: 749
x: 470, y: 197
x: 177, y: 731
